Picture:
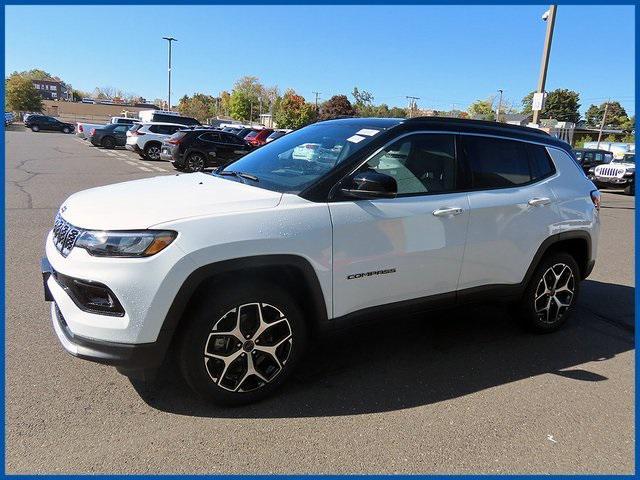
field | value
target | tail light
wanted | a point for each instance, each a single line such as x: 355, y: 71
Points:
x: 92, y: 132
x: 80, y: 129
x: 175, y: 141
x: 595, y: 198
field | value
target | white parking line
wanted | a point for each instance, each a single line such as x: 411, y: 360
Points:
x: 145, y: 169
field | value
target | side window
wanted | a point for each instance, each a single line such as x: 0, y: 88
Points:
x: 121, y: 128
x: 210, y: 137
x: 588, y: 157
x: 153, y: 128
x: 496, y: 163
x: 541, y: 164
x: 599, y: 157
x: 421, y: 163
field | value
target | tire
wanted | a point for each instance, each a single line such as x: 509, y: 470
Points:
x: 194, y: 162
x: 35, y: 128
x: 66, y: 130
x: 551, y: 294
x: 225, y: 378
x: 108, y: 142
x: 152, y: 151
x: 630, y: 189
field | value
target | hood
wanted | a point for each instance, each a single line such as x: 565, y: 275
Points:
x: 143, y: 203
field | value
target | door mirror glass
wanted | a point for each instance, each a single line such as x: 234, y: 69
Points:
x: 370, y: 184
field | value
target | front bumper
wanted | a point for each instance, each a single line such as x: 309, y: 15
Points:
x: 127, y: 357
x: 134, y: 148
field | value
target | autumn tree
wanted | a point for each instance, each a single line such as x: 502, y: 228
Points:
x: 294, y: 112
x: 482, y: 110
x: 337, y: 106
x: 21, y: 95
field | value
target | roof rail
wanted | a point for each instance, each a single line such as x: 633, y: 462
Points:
x: 484, y: 123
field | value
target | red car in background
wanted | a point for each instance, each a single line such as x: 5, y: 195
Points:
x: 258, y: 138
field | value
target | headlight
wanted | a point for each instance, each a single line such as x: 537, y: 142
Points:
x: 142, y: 243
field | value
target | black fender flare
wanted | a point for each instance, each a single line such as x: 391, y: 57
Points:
x: 197, y: 277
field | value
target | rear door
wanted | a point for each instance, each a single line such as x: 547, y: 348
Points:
x: 512, y: 208
x: 120, y: 132
x: 408, y: 247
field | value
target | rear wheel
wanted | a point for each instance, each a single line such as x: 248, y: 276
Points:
x: 551, y: 294
x: 35, y: 128
x: 66, y: 130
x: 195, y: 162
x: 108, y: 142
x: 241, y: 344
x: 152, y: 151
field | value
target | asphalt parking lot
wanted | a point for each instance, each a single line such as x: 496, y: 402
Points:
x: 462, y: 391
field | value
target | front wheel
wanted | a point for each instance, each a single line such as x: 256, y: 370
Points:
x: 630, y: 189
x: 241, y: 344
x: 35, y: 128
x: 551, y: 294
x: 66, y: 130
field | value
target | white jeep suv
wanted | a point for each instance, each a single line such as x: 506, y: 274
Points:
x: 146, y: 139
x: 235, y: 270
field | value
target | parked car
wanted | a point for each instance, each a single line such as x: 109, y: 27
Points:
x: 165, y: 116
x: 234, y: 130
x: 235, y: 270
x: 591, y: 158
x: 8, y: 118
x: 245, y: 131
x: 83, y: 129
x: 110, y: 136
x: 257, y: 138
x: 619, y: 174
x: 195, y: 150
x: 45, y: 122
x: 275, y: 134
x: 146, y: 139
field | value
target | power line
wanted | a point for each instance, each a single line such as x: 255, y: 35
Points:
x: 411, y: 104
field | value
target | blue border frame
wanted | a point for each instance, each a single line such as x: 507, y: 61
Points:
x: 285, y: 2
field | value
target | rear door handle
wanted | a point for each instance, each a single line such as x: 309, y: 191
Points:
x: 447, y: 212
x: 539, y: 201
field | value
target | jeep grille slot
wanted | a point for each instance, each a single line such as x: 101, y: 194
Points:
x: 64, y: 235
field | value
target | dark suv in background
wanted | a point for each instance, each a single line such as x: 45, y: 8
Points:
x: 110, y: 136
x: 195, y: 150
x: 44, y: 122
x: 589, y: 158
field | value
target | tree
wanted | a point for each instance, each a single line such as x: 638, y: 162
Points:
x: 482, y: 110
x: 240, y: 105
x: 616, y: 116
x: 561, y: 104
x: 337, y: 106
x: 35, y: 74
x: 225, y: 103
x: 199, y: 106
x: 294, y: 111
x: 245, y: 98
x: 21, y: 95
x: 363, y: 103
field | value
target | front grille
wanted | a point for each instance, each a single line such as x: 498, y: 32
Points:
x: 64, y: 235
x: 610, y: 172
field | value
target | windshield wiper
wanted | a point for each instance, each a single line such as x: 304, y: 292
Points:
x: 232, y: 173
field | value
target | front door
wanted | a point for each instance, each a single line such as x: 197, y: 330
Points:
x: 391, y: 250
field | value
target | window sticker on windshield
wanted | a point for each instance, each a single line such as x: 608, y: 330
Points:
x: 355, y: 139
x: 369, y: 132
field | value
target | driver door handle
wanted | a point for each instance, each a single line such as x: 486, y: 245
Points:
x: 539, y: 201
x: 447, y: 212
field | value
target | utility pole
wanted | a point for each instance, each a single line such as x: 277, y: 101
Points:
x: 260, y: 101
x: 250, y: 111
x: 551, y: 21
x: 169, y: 39
x: 499, y: 107
x: 604, y: 118
x: 411, y: 104
x: 317, y: 94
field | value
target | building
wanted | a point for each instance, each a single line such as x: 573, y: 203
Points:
x: 516, y: 118
x: 51, y: 89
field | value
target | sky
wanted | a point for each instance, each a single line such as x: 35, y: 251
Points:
x: 449, y: 56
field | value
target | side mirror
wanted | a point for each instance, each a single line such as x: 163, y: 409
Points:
x: 370, y: 184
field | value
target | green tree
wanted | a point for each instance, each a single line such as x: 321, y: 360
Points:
x: 240, y: 105
x: 337, y: 106
x: 616, y: 115
x: 245, y: 98
x: 482, y: 110
x: 21, y: 95
x: 294, y: 111
x: 561, y: 104
x: 198, y: 106
x: 363, y: 103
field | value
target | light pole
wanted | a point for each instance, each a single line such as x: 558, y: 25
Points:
x: 499, y: 107
x: 549, y: 17
x: 169, y: 39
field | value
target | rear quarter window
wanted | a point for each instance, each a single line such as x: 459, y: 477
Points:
x: 496, y: 162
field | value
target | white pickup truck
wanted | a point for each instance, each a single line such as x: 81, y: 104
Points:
x: 83, y: 129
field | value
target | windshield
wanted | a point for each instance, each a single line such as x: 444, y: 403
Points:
x: 301, y: 157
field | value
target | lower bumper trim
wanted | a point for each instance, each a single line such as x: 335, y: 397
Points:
x: 122, y: 355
